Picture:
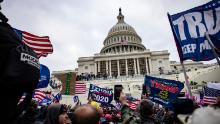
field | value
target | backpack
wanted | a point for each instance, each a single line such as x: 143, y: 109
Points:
x: 19, y: 64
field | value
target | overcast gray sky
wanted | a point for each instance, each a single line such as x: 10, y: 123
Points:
x: 77, y: 28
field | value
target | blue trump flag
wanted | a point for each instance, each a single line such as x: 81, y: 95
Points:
x: 44, y: 76
x: 189, y: 28
x: 163, y: 91
x: 75, y: 99
x: 101, y: 95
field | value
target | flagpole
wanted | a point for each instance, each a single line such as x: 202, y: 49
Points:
x: 212, y: 47
x: 186, y: 80
x: 181, y: 60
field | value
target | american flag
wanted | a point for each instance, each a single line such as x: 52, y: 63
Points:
x: 40, y: 45
x: 39, y: 95
x: 80, y: 87
x: 210, y: 95
x: 133, y: 103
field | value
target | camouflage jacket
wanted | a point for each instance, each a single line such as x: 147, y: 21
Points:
x: 131, y: 117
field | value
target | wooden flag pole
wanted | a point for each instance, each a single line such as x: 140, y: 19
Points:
x: 184, y: 70
x: 186, y: 80
x: 212, y: 47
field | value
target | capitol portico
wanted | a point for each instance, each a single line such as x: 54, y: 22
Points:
x: 124, y: 54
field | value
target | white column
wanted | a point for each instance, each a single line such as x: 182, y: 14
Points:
x: 106, y: 65
x: 126, y: 66
x: 110, y: 68
x: 98, y: 66
x: 149, y: 60
x: 95, y: 68
x: 135, y: 70
x: 118, y: 67
x: 146, y: 66
x: 138, y: 67
x: 120, y: 49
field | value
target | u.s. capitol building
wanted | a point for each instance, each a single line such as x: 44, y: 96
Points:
x: 123, y: 54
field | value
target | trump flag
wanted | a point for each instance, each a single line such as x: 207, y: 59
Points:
x: 189, y: 28
x: 163, y: 91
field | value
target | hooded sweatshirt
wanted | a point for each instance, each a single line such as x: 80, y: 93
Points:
x: 53, y: 114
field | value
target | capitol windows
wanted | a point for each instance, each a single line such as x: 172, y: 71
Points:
x: 86, y: 67
x: 160, y: 62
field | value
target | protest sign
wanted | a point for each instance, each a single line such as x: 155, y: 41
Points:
x: 163, y: 91
x: 101, y: 95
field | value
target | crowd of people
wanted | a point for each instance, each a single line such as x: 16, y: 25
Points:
x: 104, y: 76
x: 184, y: 111
x: 20, y: 72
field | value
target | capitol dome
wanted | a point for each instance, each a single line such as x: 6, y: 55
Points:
x: 122, y: 38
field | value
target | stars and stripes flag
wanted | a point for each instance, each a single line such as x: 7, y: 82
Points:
x: 39, y: 95
x: 41, y: 45
x: 210, y: 95
x: 80, y: 87
x: 133, y: 103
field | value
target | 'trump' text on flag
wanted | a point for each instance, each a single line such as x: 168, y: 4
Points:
x: 189, y: 28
